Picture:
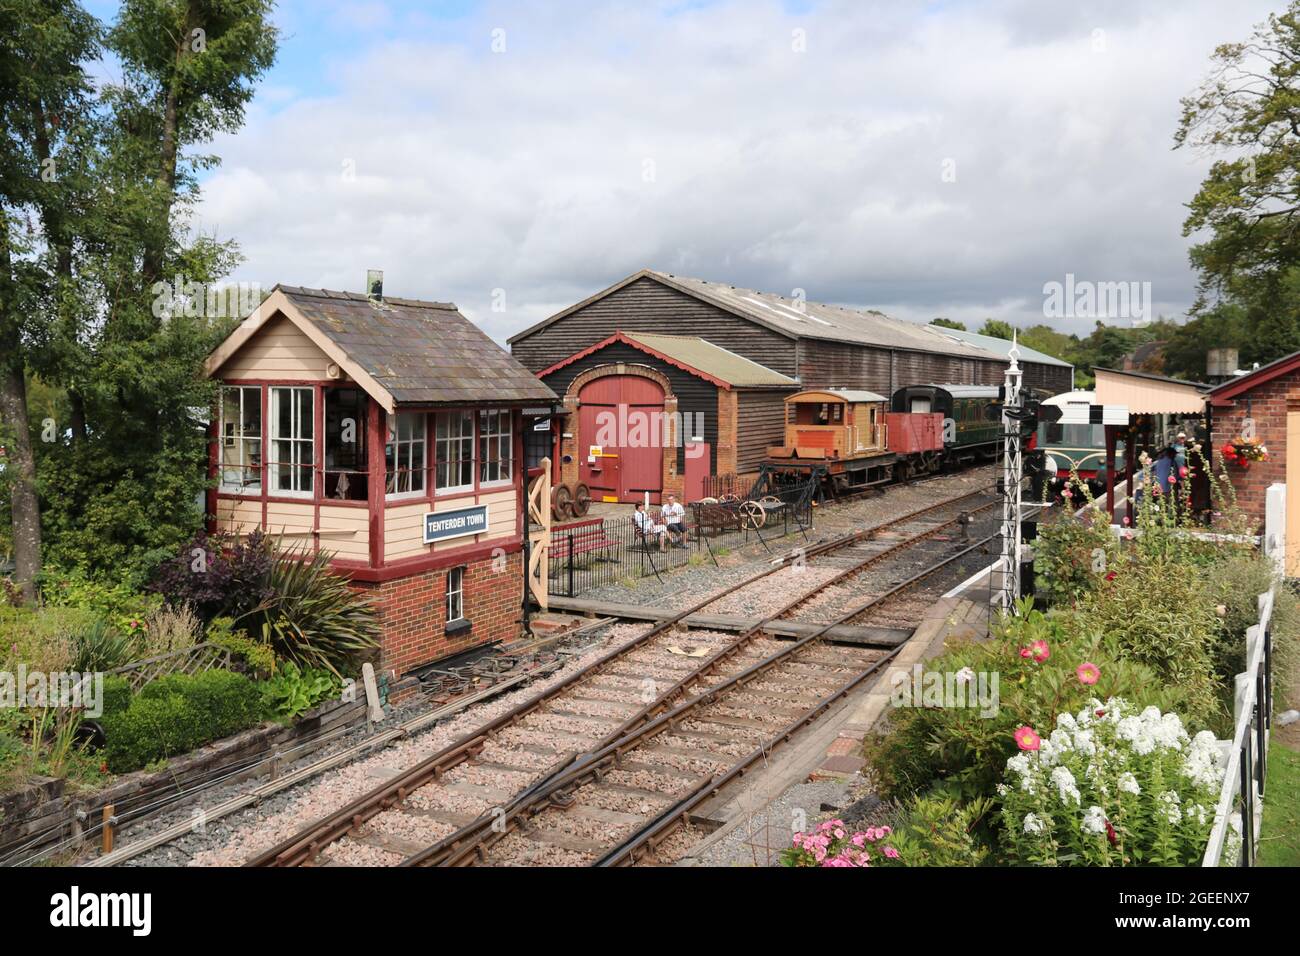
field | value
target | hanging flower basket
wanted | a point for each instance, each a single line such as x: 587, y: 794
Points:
x: 1242, y: 451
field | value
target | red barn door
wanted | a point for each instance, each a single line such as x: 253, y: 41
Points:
x: 623, y: 415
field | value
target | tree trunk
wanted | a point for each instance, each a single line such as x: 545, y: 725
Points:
x: 24, y: 504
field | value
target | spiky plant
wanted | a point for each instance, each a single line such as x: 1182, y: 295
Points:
x: 309, y: 615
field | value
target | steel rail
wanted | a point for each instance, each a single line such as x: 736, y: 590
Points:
x: 302, y: 847
x: 457, y: 848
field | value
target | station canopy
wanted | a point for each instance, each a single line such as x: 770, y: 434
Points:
x: 1146, y: 394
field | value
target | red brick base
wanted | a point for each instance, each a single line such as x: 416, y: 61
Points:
x: 413, y: 611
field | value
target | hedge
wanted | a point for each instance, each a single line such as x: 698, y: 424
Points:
x: 177, y: 713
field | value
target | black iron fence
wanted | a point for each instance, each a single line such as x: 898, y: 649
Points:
x: 598, y: 551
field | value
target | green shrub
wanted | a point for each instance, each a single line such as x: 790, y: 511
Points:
x: 201, y: 708
x: 116, y: 695
x: 42, y: 638
x: 311, y: 616
x: 1162, y: 614
x: 259, y: 657
x: 151, y: 729
x: 125, y: 608
x: 937, y: 829
x: 1072, y: 555
x: 966, y: 750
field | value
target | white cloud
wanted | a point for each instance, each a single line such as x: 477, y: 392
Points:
x: 530, y: 170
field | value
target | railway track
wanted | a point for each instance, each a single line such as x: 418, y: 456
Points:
x: 470, y: 792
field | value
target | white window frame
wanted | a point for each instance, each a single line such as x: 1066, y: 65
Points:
x: 398, y: 443
x: 239, y: 442
x: 455, y: 596
x: 443, y: 446
x: 494, y: 416
x: 297, y: 443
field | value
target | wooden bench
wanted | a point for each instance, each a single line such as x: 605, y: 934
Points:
x: 580, y: 537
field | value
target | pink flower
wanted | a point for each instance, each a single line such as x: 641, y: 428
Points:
x: 859, y: 839
x: 1126, y: 520
x: 1067, y: 494
x: 1087, y: 672
x: 891, y: 853
x: 1040, y: 651
x: 1026, y: 739
x: 1026, y: 652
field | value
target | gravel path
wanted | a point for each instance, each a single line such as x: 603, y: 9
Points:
x: 693, y: 583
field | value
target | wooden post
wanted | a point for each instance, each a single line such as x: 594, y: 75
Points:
x: 539, y: 541
x: 107, y: 843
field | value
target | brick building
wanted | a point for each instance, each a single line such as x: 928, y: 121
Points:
x: 388, y: 432
x: 1264, y: 403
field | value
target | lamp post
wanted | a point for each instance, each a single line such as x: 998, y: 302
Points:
x: 1006, y: 596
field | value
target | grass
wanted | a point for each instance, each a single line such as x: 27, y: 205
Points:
x: 1279, y: 843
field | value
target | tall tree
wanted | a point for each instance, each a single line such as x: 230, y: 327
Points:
x: 1247, y: 113
x: 44, y: 107
x: 997, y: 328
x: 949, y: 324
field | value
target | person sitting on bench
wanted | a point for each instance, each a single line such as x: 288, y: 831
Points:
x: 673, y: 515
x: 648, y: 528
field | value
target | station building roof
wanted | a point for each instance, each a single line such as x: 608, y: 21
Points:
x: 695, y: 355
x: 400, y: 351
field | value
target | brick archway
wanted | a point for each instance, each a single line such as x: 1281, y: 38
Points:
x: 573, y: 447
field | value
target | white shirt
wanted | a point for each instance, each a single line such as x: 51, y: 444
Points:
x: 673, y: 512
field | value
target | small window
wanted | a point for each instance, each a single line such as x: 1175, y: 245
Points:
x: 404, y: 454
x: 292, y: 440
x: 454, y: 438
x: 241, y: 439
x: 495, y: 447
x: 455, y: 595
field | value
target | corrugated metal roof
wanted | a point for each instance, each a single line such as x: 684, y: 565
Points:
x: 847, y: 394
x: 1000, y: 347
x: 820, y: 321
x: 711, y: 359
x: 423, y: 353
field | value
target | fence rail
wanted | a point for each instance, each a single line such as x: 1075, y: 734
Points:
x: 598, y: 551
x: 1239, y: 805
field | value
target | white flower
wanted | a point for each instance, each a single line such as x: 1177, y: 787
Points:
x: 1083, y: 742
x: 1034, y: 823
x: 1168, y: 802
x: 1019, y: 764
x: 965, y: 675
x: 1094, y: 821
x: 1201, y: 765
x: 1066, y: 722
x: 1128, y: 783
x: 1198, y: 814
x: 1065, y: 785
x: 1002, y: 789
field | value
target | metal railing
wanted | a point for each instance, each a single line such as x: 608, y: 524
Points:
x: 598, y: 551
x: 1239, y: 808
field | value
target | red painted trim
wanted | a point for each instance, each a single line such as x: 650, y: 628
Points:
x: 432, y: 562
x: 214, y: 472
x: 517, y: 470
x: 375, y: 435
x: 318, y: 459
x: 641, y: 347
x: 1254, y: 379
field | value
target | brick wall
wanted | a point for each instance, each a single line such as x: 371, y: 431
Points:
x: 413, y: 611
x: 1266, y: 405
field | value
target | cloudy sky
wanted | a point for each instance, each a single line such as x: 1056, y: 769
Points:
x: 924, y: 159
